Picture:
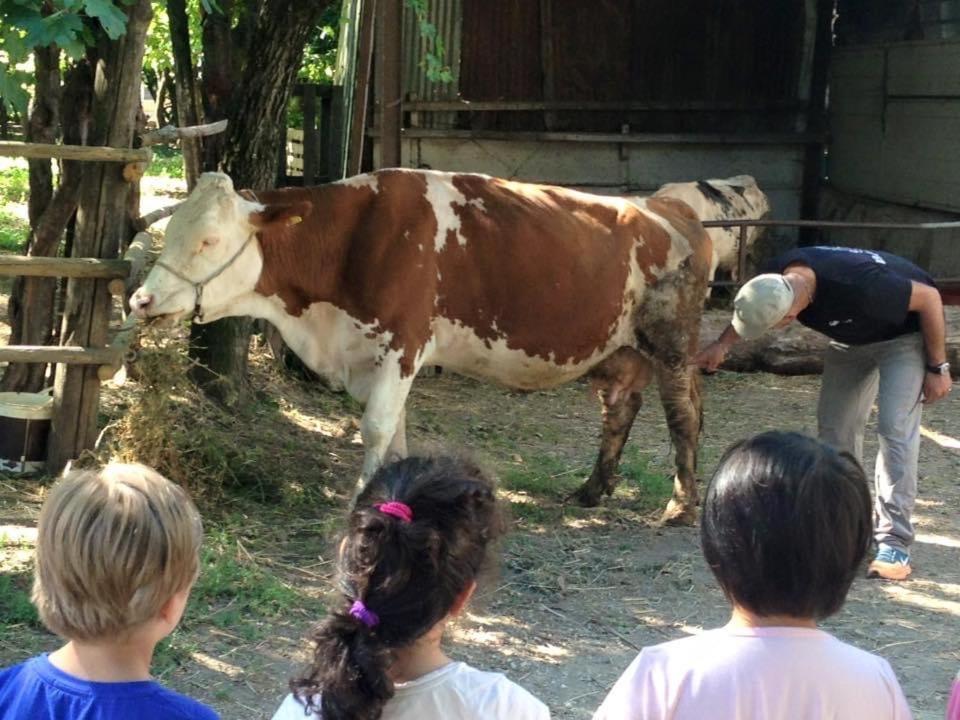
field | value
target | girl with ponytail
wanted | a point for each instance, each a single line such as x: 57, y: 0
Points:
x: 415, y: 544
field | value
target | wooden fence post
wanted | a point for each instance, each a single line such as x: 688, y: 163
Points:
x: 101, y: 233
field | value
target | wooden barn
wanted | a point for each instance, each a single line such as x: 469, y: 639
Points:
x: 842, y: 109
x: 613, y: 95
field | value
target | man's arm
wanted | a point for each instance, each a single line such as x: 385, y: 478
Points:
x: 713, y: 354
x: 926, y: 302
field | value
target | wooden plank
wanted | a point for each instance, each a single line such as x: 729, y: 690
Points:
x: 67, y: 354
x: 361, y: 88
x: 120, y: 345
x: 14, y: 265
x: 171, y: 134
x: 777, y: 168
x: 549, y: 63
x: 596, y: 106
x: 389, y: 67
x: 136, y: 256
x: 631, y: 139
x: 39, y: 151
x: 102, y: 227
x: 309, y: 145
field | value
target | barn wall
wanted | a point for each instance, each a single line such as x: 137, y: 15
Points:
x: 937, y: 250
x: 862, y: 22
x: 727, y: 65
x: 895, y: 123
x: 730, y: 69
x: 609, y: 167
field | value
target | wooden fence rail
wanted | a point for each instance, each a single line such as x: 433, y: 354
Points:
x: 13, y: 265
x: 39, y: 151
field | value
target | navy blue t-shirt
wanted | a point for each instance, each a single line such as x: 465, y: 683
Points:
x: 862, y: 296
x: 39, y: 691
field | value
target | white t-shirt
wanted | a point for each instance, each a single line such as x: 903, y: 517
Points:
x: 454, y: 691
x: 771, y: 673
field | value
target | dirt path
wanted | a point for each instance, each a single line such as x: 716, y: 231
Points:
x: 581, y: 591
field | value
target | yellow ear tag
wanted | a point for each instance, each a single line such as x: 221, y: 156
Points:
x: 294, y: 220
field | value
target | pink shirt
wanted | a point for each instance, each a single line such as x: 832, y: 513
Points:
x: 953, y: 706
x: 774, y: 673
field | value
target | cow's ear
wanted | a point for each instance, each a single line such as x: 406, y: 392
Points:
x: 281, y: 215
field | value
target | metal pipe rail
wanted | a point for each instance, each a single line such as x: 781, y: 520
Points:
x: 836, y: 224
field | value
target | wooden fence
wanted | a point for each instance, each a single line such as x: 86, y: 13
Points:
x: 76, y: 394
x: 313, y: 153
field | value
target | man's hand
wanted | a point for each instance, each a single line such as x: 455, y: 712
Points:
x: 935, y: 387
x: 711, y: 356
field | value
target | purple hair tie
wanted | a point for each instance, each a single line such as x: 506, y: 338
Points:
x: 365, y: 615
x: 397, y: 509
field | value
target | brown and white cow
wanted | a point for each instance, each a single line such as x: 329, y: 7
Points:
x: 531, y: 286
x: 732, y: 198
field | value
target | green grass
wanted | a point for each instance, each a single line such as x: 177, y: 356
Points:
x: 14, y: 183
x: 166, y: 163
x: 234, y: 591
x: 15, y: 605
x: 13, y: 232
x: 14, y: 189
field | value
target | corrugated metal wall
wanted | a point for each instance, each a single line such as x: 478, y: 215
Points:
x: 744, y: 56
x: 447, y: 18
x: 502, y: 60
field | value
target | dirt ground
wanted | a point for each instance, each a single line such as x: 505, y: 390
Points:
x: 580, y: 591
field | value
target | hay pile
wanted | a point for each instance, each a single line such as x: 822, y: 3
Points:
x: 162, y: 420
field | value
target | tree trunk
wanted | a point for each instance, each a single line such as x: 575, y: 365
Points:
x: 258, y: 119
x: 251, y: 156
x: 186, y: 91
x: 102, y: 227
x: 220, y: 55
x: 31, y: 305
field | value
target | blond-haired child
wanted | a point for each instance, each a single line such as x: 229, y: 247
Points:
x: 117, y: 555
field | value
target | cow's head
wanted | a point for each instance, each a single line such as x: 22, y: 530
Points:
x: 211, y: 258
x: 753, y: 202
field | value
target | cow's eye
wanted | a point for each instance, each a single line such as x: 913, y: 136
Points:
x: 209, y: 241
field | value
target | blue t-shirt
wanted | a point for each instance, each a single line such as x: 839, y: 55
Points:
x: 39, y: 691
x: 862, y: 296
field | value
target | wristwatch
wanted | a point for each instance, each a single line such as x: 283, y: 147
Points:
x: 941, y: 369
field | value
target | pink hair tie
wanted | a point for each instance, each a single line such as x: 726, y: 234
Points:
x: 397, y: 509
x: 364, y: 614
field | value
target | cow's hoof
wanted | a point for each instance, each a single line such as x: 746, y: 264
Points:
x: 679, y: 514
x: 586, y: 496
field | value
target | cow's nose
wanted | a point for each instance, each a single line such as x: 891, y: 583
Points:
x: 140, y: 301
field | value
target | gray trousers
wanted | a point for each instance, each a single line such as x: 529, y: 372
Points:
x: 892, y: 373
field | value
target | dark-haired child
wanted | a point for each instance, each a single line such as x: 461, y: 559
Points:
x: 786, y: 523
x: 415, y: 544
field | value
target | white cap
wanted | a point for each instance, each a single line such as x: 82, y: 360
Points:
x: 761, y: 303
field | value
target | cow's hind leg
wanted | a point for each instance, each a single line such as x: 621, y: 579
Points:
x: 680, y: 395
x: 668, y: 328
x: 619, y: 382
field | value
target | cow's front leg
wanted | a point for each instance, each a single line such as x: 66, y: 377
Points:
x: 382, y: 419
x: 397, y: 449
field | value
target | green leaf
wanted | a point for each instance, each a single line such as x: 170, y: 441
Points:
x: 210, y: 6
x: 112, y: 18
x: 12, y: 90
